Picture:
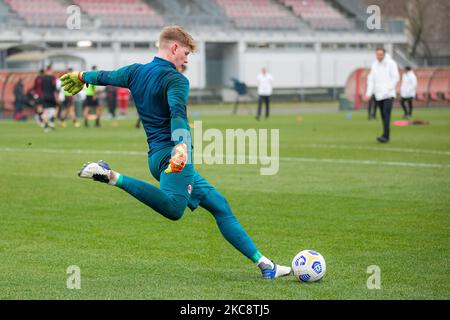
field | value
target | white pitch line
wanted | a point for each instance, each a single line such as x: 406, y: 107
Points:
x: 371, y: 162
x: 388, y: 149
x: 265, y: 160
x: 73, y: 151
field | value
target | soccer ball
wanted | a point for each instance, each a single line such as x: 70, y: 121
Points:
x: 308, y: 266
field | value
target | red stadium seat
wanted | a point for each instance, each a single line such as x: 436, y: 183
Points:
x: 318, y: 14
x: 439, y: 87
x: 423, y: 80
x: 119, y: 13
x: 257, y: 14
x: 53, y: 12
x: 39, y: 12
x: 439, y: 84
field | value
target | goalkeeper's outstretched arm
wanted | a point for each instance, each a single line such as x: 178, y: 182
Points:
x: 177, y: 97
x: 73, y: 82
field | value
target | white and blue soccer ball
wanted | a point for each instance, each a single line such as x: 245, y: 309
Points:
x: 308, y: 266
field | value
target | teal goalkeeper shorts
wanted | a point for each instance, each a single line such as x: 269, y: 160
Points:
x: 187, y: 183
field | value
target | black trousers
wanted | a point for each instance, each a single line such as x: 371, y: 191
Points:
x: 407, y: 108
x: 385, y: 111
x: 112, y: 105
x: 372, y: 108
x: 266, y: 100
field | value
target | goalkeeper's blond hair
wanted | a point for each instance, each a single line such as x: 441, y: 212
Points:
x: 176, y: 33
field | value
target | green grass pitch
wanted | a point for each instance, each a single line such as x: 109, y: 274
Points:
x: 337, y: 191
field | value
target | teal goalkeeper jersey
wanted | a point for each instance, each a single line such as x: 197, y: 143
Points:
x: 160, y: 93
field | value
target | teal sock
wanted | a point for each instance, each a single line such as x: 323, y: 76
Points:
x: 255, y: 258
x: 119, y: 181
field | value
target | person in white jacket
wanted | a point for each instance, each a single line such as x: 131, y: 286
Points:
x: 265, y: 83
x: 408, y: 91
x: 381, y: 83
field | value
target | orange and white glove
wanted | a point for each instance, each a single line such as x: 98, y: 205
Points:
x: 178, y: 160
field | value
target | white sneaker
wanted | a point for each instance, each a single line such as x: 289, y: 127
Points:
x: 99, y: 171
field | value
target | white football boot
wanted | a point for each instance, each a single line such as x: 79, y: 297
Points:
x: 98, y: 171
x: 276, y: 272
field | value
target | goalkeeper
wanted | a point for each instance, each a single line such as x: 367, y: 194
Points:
x: 160, y: 93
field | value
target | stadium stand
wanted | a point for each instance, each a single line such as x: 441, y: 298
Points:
x: 244, y: 31
x: 433, y: 87
x: 319, y: 14
x: 40, y: 13
x: 9, y: 18
x: 121, y: 13
x: 356, y: 8
x: 193, y: 14
x: 258, y: 14
x: 242, y: 14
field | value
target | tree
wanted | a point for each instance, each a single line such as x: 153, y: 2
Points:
x: 416, y: 14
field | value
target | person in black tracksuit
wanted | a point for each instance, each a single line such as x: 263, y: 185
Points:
x: 49, y: 100
x: 372, y: 108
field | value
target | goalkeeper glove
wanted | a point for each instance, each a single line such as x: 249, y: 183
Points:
x: 72, y: 82
x: 178, y: 160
